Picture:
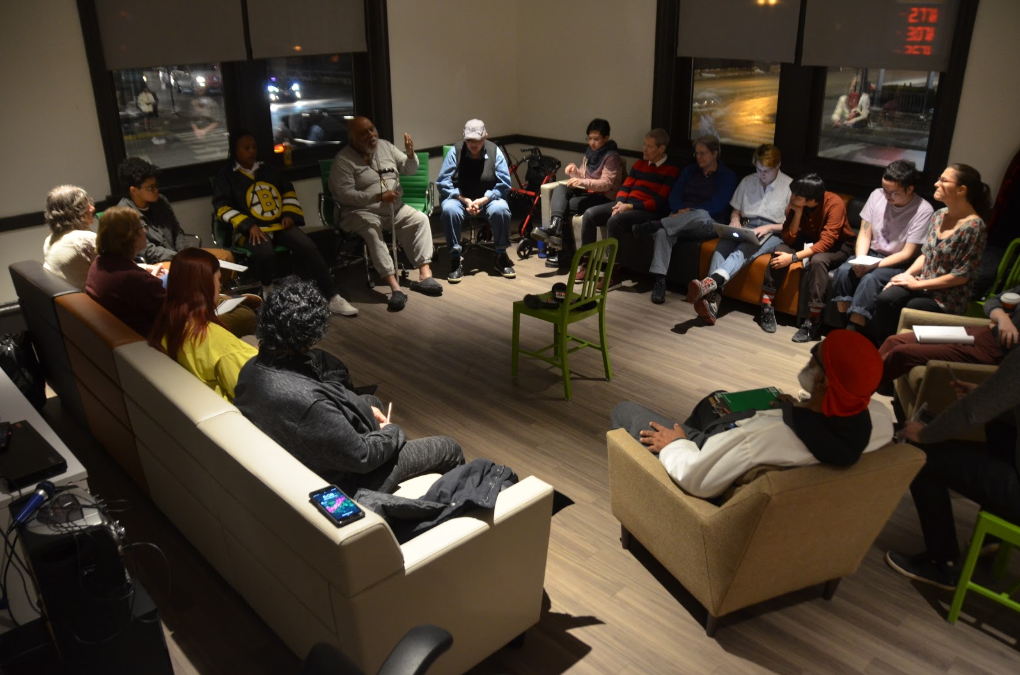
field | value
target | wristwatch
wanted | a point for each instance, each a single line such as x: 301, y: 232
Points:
x: 795, y: 258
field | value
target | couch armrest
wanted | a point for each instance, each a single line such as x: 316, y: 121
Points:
x: 530, y: 493
x: 916, y: 317
x: 547, y: 190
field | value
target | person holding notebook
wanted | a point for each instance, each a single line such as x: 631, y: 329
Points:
x: 835, y: 425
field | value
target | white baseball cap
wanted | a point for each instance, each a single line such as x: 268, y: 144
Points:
x: 474, y: 130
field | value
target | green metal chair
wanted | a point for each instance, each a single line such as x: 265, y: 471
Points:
x: 418, y: 194
x: 1007, y: 277
x: 578, y: 305
x: 1009, y: 534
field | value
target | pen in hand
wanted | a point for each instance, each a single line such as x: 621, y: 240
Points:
x: 389, y: 412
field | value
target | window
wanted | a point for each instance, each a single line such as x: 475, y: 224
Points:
x: 310, y: 99
x: 172, y: 115
x: 876, y: 116
x: 735, y: 101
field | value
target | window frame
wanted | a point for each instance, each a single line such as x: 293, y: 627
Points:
x: 244, y: 105
x: 798, y: 125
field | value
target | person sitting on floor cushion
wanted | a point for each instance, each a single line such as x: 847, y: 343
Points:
x: 838, y: 423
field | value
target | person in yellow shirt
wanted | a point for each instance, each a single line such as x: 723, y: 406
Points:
x: 188, y: 329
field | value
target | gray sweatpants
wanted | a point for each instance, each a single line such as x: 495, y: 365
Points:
x: 414, y: 235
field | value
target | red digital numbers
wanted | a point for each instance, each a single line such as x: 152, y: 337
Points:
x: 920, y: 33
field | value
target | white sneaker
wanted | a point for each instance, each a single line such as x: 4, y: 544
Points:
x: 338, y: 305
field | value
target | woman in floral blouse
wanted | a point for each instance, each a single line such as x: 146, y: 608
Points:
x: 942, y: 277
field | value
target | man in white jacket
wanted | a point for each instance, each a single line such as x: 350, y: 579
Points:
x: 838, y: 423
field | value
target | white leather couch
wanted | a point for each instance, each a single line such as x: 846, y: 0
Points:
x: 242, y: 501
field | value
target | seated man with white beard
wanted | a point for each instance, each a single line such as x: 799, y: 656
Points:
x: 838, y: 423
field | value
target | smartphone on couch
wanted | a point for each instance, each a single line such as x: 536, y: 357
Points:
x: 336, y: 506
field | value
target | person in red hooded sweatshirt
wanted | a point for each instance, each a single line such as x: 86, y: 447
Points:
x: 835, y: 425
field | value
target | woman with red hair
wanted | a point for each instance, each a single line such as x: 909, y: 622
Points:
x: 188, y: 330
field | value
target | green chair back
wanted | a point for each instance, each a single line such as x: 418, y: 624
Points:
x: 417, y: 188
x: 588, y: 300
x: 1006, y: 277
x: 1009, y: 536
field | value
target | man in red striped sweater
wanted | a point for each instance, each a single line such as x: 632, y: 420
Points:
x: 643, y: 196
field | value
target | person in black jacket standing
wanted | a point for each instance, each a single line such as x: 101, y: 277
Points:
x: 263, y: 209
x: 304, y: 400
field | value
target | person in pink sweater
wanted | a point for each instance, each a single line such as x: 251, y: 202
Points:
x: 595, y: 182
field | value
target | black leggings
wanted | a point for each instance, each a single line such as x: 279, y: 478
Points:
x: 309, y: 261
x: 432, y: 454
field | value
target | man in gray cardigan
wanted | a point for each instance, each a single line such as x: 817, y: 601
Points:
x: 365, y: 181
x: 988, y: 476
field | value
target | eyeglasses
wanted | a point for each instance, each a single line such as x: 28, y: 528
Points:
x: 892, y: 195
x: 945, y: 181
x: 151, y: 189
x: 814, y: 356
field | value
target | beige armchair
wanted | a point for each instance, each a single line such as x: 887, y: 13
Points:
x: 930, y: 383
x: 783, y: 531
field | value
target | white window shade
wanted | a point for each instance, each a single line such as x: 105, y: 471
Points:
x: 143, y: 33
x: 891, y: 34
x: 739, y: 29
x: 302, y: 27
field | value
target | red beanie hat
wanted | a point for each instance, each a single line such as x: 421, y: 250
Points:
x: 853, y: 369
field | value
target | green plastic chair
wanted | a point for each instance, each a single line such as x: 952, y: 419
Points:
x: 589, y: 301
x: 1007, y: 277
x: 418, y: 191
x: 987, y: 524
x: 223, y: 237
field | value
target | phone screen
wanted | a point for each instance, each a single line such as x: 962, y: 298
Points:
x: 340, y: 508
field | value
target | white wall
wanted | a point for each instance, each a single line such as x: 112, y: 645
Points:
x: 580, y: 59
x: 50, y: 133
x: 987, y: 132
x: 451, y: 62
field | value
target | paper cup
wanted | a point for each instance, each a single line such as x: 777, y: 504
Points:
x: 1009, y: 301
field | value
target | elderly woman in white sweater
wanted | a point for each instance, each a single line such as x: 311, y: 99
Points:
x: 70, y: 248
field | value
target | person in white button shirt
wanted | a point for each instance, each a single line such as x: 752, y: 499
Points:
x: 759, y: 202
x: 894, y: 224
x: 838, y: 423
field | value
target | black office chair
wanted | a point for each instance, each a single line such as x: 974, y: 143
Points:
x: 413, y: 655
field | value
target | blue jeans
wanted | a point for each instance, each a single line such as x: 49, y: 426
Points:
x: 731, y: 255
x: 861, y: 292
x: 695, y: 225
x: 496, y: 212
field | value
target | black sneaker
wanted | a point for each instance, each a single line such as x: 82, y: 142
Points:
x: 456, y: 274
x: 659, y: 291
x: 768, y: 318
x: 505, y: 267
x: 646, y: 228
x: 552, y: 260
x: 542, y: 233
x: 922, y: 568
x: 808, y: 331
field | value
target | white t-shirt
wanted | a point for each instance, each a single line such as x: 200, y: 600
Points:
x: 70, y: 256
x: 892, y: 227
x: 768, y: 204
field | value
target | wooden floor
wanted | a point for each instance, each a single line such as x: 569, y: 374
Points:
x: 445, y: 365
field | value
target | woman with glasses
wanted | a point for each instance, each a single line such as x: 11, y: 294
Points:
x: 115, y: 281
x: 941, y: 279
x: 70, y: 248
x: 894, y: 224
x: 595, y: 182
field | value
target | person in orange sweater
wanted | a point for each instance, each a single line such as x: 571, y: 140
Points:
x: 817, y: 234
